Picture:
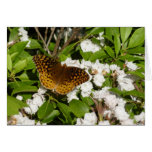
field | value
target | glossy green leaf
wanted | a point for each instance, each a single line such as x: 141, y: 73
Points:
x: 65, y: 110
x: 87, y: 100
x: 45, y: 110
x: 79, y: 108
x: 98, y: 55
x: 134, y: 93
x: 116, y: 91
x: 25, y: 88
x: 125, y: 32
x: 115, y: 30
x: 19, y: 66
x: 51, y: 116
x: 131, y: 57
x: 18, y: 47
x: 136, y: 73
x: 51, y: 46
x: 109, y: 51
x: 117, y: 44
x: 17, y: 84
x: 137, y: 50
x: 96, y: 30
x: 34, y: 44
x: 9, y: 62
x: 137, y: 38
x: 86, y: 55
x: 13, y: 105
x: 14, y: 34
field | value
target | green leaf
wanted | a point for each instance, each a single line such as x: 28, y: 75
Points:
x: 9, y: 62
x: 23, y: 76
x: 109, y: 51
x: 134, y: 93
x: 87, y: 100
x: 65, y: 110
x: 13, y: 55
x: 108, y: 31
x: 108, y: 38
x: 136, y: 73
x: 97, y: 55
x: 137, y: 50
x: 51, y: 46
x: 13, y: 34
x: 125, y: 32
x: 117, y: 44
x: 19, y: 66
x: 34, y: 44
x: 24, y: 88
x: 67, y: 49
x: 18, y: 47
x: 96, y: 30
x: 115, y: 30
x: 13, y: 105
x: 17, y: 84
x: 86, y: 55
x: 30, y: 63
x: 130, y: 57
x: 116, y: 91
x: 45, y: 110
x: 51, y: 116
x: 79, y: 108
x: 137, y: 38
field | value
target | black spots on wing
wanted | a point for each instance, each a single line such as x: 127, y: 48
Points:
x: 44, y: 63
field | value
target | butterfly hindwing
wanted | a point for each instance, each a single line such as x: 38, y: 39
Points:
x: 73, y: 77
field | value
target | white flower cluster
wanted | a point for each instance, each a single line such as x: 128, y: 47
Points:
x: 131, y: 66
x: 115, y: 104
x: 23, y: 120
x: 36, y: 102
x: 24, y: 36
x: 89, y: 119
x: 88, y: 46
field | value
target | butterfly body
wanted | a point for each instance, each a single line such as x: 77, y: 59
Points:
x: 57, y: 77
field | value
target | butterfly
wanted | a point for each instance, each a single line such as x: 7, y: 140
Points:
x: 56, y: 77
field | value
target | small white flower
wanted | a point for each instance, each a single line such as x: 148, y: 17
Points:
x: 140, y: 117
x: 111, y: 101
x: 21, y: 120
x: 101, y: 38
x: 88, y: 46
x: 86, y: 64
x: 132, y: 66
x: 42, y: 90
x: 70, y: 62
x: 24, y: 36
x: 72, y: 95
x: 89, y: 119
x: 86, y: 88
x: 127, y: 122
x: 107, y: 113
x: 35, y: 103
x: 121, y: 114
x: 98, y: 80
x: 97, y: 66
x: 114, y: 67
x: 104, y: 123
x: 101, y: 93
x: 125, y: 83
x: 19, y: 97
